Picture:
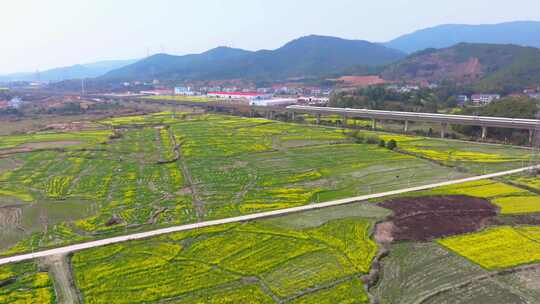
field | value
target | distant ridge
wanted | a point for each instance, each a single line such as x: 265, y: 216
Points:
x: 524, y: 33
x: 77, y: 71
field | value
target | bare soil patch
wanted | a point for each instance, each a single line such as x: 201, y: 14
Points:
x: 384, y: 232
x: 10, y: 217
x: 428, y: 218
x: 362, y: 81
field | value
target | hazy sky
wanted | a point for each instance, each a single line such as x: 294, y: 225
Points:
x: 40, y: 34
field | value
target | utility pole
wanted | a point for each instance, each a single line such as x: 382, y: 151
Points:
x: 82, y: 88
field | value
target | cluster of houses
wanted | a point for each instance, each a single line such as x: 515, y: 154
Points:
x: 408, y: 88
x: 532, y: 93
x: 484, y: 99
x: 477, y: 99
x: 274, y: 90
x: 278, y: 95
x: 13, y: 103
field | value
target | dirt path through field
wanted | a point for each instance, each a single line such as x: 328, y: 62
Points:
x: 198, y: 203
x: 59, y: 269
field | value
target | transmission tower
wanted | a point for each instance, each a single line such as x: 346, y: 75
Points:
x: 82, y: 88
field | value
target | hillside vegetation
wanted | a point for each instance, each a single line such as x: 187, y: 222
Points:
x: 303, y: 57
x: 488, y: 67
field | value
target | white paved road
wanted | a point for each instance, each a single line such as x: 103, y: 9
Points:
x: 245, y: 218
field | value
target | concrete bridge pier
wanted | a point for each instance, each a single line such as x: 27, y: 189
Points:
x: 270, y: 115
x: 374, y: 124
x: 444, y: 130
x: 484, y: 133
x: 531, y: 136
x: 406, y: 127
x: 293, y: 116
x: 344, y: 120
x: 318, y: 119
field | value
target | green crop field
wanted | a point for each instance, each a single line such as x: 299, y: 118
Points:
x: 473, y: 157
x: 171, y: 168
x: 267, y: 259
x: 24, y: 283
x: 138, y: 173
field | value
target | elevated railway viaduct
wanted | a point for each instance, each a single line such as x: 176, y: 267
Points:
x: 445, y: 120
x: 532, y: 125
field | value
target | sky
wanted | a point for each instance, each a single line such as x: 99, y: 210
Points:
x: 42, y: 34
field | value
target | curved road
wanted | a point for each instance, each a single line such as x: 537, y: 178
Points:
x: 245, y: 218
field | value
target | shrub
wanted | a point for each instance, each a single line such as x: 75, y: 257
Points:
x: 372, y: 140
x: 392, y: 144
x: 359, y: 137
x: 382, y: 143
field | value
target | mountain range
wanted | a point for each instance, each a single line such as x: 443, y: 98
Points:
x: 77, y: 71
x: 524, y: 33
x: 315, y: 56
x: 309, y: 56
x: 484, y: 49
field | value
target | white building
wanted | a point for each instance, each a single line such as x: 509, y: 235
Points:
x: 15, y: 103
x: 240, y: 95
x: 484, y: 98
x: 462, y: 99
x: 184, y: 91
x: 534, y: 95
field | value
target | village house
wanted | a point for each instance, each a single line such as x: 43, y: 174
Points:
x: 482, y: 99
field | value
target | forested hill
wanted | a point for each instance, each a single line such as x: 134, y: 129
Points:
x: 487, y: 67
x: 304, y: 57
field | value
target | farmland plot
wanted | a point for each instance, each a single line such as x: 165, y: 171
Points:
x: 243, y: 166
x: 510, y: 200
x: 221, y: 264
x: 68, y: 196
x: 426, y: 273
x: 498, y: 248
x: 168, y: 168
x: 172, y: 168
x: 24, y: 283
x: 473, y: 157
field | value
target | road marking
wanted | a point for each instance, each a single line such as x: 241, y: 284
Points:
x: 246, y: 218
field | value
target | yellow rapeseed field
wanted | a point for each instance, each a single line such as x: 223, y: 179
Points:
x: 518, y: 204
x: 495, y: 248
